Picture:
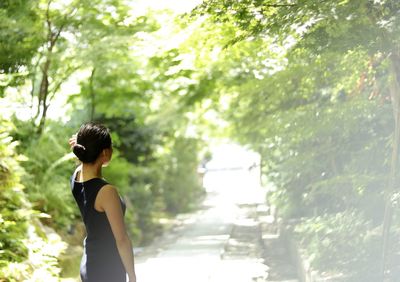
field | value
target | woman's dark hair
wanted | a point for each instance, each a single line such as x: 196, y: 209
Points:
x: 91, y: 140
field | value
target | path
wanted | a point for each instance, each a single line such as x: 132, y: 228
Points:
x: 223, y: 241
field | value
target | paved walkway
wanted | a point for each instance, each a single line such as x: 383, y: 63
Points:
x: 221, y: 242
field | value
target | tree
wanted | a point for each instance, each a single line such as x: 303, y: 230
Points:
x: 20, y: 26
x: 73, y: 33
x: 318, y: 30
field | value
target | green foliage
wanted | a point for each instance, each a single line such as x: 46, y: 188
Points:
x: 343, y: 242
x: 303, y: 106
x: 332, y: 167
x: 147, y: 199
x: 181, y: 184
x: 26, y: 251
x: 136, y: 142
x: 137, y: 98
x: 13, y: 224
x: 326, y: 151
x: 341, y: 25
x: 20, y: 34
x: 292, y: 78
x: 47, y: 170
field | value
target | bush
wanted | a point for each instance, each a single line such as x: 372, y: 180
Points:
x: 14, y: 206
x: 26, y: 251
x: 48, y: 168
x: 147, y: 200
x: 343, y: 243
x: 181, y: 184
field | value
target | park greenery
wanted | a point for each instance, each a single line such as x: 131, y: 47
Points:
x: 312, y: 86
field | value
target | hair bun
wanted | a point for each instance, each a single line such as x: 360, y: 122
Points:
x: 79, y: 151
x: 91, y: 140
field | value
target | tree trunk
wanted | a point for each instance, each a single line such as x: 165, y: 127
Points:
x: 52, y: 37
x: 390, y: 189
x: 42, y: 97
x: 43, y: 118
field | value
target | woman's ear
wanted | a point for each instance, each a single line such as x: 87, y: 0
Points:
x: 106, y: 157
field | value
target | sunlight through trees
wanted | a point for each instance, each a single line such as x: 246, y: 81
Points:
x: 313, y: 87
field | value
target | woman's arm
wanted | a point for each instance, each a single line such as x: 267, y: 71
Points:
x: 109, y: 201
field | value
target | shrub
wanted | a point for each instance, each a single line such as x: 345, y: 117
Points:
x: 48, y: 168
x: 26, y: 250
x: 343, y: 243
x: 181, y: 184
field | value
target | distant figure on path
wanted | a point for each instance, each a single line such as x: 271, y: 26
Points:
x: 108, y: 254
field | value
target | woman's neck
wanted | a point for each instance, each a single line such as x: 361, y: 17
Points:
x: 89, y: 171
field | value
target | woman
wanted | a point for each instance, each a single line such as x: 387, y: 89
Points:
x: 108, y: 254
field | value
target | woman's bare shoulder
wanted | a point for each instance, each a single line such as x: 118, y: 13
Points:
x: 108, y: 191
x: 107, y: 197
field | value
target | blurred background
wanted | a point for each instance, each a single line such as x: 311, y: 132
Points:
x: 255, y: 140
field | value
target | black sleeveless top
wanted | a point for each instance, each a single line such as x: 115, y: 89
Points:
x: 101, y: 261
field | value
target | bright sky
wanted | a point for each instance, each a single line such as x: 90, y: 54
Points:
x: 178, y: 6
